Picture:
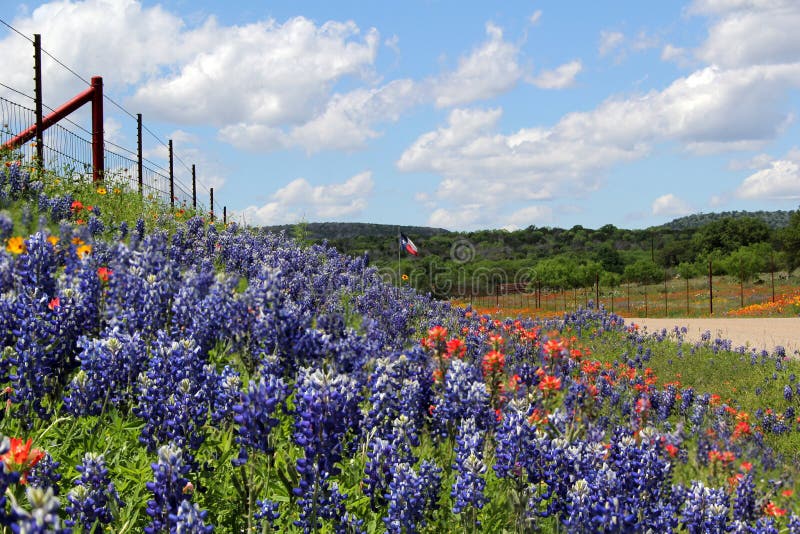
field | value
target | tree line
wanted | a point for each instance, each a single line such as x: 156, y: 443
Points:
x: 741, y: 245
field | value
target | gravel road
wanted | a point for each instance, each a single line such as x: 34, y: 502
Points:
x: 762, y: 333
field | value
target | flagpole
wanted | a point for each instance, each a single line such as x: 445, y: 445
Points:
x: 399, y: 276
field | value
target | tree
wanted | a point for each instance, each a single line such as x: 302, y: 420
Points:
x: 790, y: 239
x: 609, y: 258
x: 744, y: 263
x: 730, y: 233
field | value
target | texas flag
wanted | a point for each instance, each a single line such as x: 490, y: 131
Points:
x: 408, y: 245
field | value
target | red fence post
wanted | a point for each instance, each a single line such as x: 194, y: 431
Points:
x: 98, y: 151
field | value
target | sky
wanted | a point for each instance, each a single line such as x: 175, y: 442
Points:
x: 453, y: 114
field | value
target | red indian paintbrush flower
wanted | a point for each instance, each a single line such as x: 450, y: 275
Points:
x: 550, y: 383
x: 20, y: 458
x: 104, y: 273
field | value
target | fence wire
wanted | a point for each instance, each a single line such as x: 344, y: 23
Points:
x: 69, y: 153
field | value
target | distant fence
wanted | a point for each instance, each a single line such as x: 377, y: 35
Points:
x: 67, y: 148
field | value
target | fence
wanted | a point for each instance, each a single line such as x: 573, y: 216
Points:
x: 67, y: 147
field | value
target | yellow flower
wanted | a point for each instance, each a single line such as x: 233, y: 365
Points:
x: 53, y: 239
x: 16, y: 245
x: 77, y: 241
x: 404, y: 278
x: 101, y: 191
x: 117, y: 190
x: 83, y: 250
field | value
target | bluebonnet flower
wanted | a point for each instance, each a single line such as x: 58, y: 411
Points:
x: 189, y: 520
x: 326, y: 408
x: 176, y: 394
x: 6, y: 226
x: 42, y: 518
x: 266, y: 515
x: 109, y: 371
x: 705, y: 510
x: 468, y: 488
x: 169, y: 492
x: 255, y: 415
x: 464, y: 396
x: 45, y: 474
x: 409, y: 497
x: 94, y: 496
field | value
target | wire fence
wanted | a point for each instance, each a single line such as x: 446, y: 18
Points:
x: 70, y: 153
x: 67, y: 147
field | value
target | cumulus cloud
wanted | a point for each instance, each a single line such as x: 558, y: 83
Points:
x: 779, y: 180
x: 560, y: 77
x: 300, y: 199
x: 671, y: 205
x: 673, y: 53
x: 119, y: 46
x: 489, y: 70
x: 609, y: 41
x: 709, y: 110
x: 266, y: 73
x: 750, y: 32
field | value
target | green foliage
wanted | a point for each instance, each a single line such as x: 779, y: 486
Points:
x: 790, y: 240
x: 643, y: 272
x: 728, y: 234
x: 744, y: 263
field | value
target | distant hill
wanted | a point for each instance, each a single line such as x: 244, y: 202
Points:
x: 336, y: 230
x: 774, y: 219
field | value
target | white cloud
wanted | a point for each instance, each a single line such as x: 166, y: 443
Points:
x: 118, y: 41
x: 300, y: 199
x: 525, y: 217
x: 534, y: 19
x: 669, y: 204
x: 709, y: 110
x: 780, y: 180
x: 263, y: 73
x: 559, y: 78
x: 609, y: 41
x: 750, y: 32
x: 489, y: 70
x: 673, y: 53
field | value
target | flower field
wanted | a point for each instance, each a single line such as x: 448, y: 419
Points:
x: 222, y: 379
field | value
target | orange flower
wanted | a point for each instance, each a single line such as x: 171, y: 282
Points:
x: 54, y: 303
x: 16, y: 245
x: 52, y: 239
x: 20, y: 458
x: 672, y: 450
x: 787, y: 492
x: 77, y: 205
x: 83, y: 250
x: 549, y: 383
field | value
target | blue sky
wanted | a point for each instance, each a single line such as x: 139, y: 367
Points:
x: 462, y: 115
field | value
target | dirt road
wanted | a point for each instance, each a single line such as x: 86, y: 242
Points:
x: 760, y: 333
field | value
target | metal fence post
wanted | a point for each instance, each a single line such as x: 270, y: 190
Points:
x: 194, y: 189
x: 37, y: 80
x: 211, y: 192
x: 171, y: 179
x: 139, y: 166
x: 225, y: 215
